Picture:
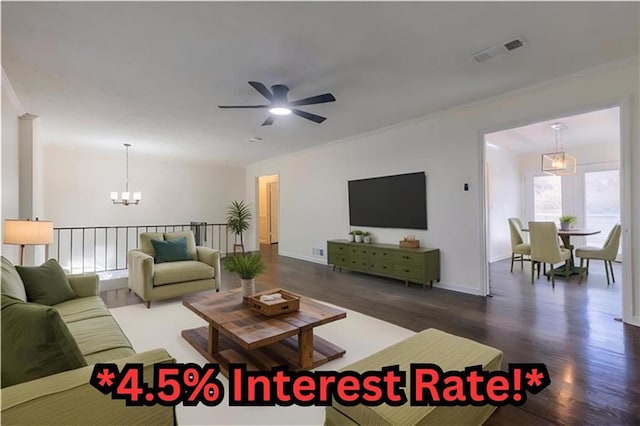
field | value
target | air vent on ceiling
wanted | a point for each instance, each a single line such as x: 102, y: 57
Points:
x: 499, y: 49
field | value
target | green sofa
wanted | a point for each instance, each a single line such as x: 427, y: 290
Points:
x: 67, y: 398
x: 156, y: 281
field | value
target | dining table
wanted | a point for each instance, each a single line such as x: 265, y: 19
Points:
x: 565, y: 235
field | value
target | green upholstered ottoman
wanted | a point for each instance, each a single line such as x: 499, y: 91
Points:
x: 429, y: 346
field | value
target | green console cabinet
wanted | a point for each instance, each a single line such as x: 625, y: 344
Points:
x: 418, y: 265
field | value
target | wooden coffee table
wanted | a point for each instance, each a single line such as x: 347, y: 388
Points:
x: 237, y: 334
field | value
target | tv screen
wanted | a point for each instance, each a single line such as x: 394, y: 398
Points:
x: 398, y: 201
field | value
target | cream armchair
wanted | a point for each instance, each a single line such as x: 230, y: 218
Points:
x: 545, y: 248
x: 157, y: 281
x: 519, y: 249
x: 607, y: 252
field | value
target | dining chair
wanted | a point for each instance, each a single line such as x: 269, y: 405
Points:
x: 607, y: 252
x: 519, y: 249
x: 543, y: 237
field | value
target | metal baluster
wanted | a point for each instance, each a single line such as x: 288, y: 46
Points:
x: 71, y: 255
x: 83, y: 250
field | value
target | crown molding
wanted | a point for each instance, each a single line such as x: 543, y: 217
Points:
x: 11, y: 94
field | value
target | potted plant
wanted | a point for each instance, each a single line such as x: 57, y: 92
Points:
x: 366, y: 237
x: 352, y: 236
x: 247, y: 267
x: 238, y: 217
x: 567, y: 220
x: 358, y: 235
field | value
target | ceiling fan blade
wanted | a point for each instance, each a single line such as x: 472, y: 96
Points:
x: 313, y: 117
x: 243, y: 106
x: 262, y: 89
x: 320, y: 99
x: 269, y: 120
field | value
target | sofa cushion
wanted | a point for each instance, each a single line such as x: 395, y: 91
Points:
x: 179, y: 272
x: 450, y: 353
x: 46, y: 284
x: 98, y: 334
x: 145, y: 241
x: 35, y: 342
x: 170, y: 250
x: 82, y: 308
x: 191, y: 241
x: 11, y: 282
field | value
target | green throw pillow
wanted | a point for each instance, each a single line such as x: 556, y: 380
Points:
x: 46, y: 284
x: 171, y: 250
x: 35, y: 343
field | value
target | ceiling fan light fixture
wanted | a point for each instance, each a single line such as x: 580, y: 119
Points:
x: 280, y: 111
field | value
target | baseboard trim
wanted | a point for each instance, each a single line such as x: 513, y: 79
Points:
x: 500, y: 257
x: 113, y: 284
x: 445, y: 286
x: 458, y: 288
x: 315, y: 259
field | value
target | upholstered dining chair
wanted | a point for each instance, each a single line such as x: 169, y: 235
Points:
x: 519, y: 249
x: 543, y: 237
x: 607, y: 252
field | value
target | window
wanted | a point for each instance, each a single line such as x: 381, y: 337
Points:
x: 547, y: 198
x: 602, y: 203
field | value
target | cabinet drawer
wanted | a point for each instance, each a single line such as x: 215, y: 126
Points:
x: 381, y: 254
x: 382, y: 267
x: 338, y: 259
x: 361, y: 251
x: 409, y: 272
x: 335, y: 248
x: 407, y: 258
x: 359, y: 263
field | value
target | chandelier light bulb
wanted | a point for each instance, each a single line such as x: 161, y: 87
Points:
x: 125, y: 198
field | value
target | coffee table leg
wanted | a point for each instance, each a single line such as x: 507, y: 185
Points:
x: 305, y: 348
x: 212, y: 343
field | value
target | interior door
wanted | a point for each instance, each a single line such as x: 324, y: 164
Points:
x: 273, y: 211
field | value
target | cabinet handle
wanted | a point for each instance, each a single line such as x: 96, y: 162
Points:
x: 384, y: 267
x: 406, y: 270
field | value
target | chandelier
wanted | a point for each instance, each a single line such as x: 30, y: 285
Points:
x: 558, y: 163
x: 125, y: 198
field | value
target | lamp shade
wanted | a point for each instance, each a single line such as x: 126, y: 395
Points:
x: 28, y: 232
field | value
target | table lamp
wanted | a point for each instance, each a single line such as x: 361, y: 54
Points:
x: 27, y: 232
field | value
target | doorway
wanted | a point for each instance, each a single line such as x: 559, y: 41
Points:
x: 268, y: 209
x: 515, y: 185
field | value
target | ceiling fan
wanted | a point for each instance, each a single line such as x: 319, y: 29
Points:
x: 279, y: 105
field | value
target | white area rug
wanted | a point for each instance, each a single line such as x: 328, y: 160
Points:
x: 160, y: 327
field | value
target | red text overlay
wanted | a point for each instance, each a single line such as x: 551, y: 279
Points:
x: 426, y: 384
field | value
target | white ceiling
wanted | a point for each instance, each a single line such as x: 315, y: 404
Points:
x: 152, y: 74
x: 597, y: 127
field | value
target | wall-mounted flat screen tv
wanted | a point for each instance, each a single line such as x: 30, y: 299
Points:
x: 398, y: 201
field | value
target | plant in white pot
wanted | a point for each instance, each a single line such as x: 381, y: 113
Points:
x: 352, y: 235
x: 566, y: 221
x: 358, y: 235
x: 366, y: 237
x: 247, y: 267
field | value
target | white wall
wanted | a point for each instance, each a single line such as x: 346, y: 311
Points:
x: 504, y: 189
x: 78, y: 183
x: 10, y: 171
x: 447, y: 146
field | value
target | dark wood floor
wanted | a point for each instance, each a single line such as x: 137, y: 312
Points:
x: 593, y: 360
